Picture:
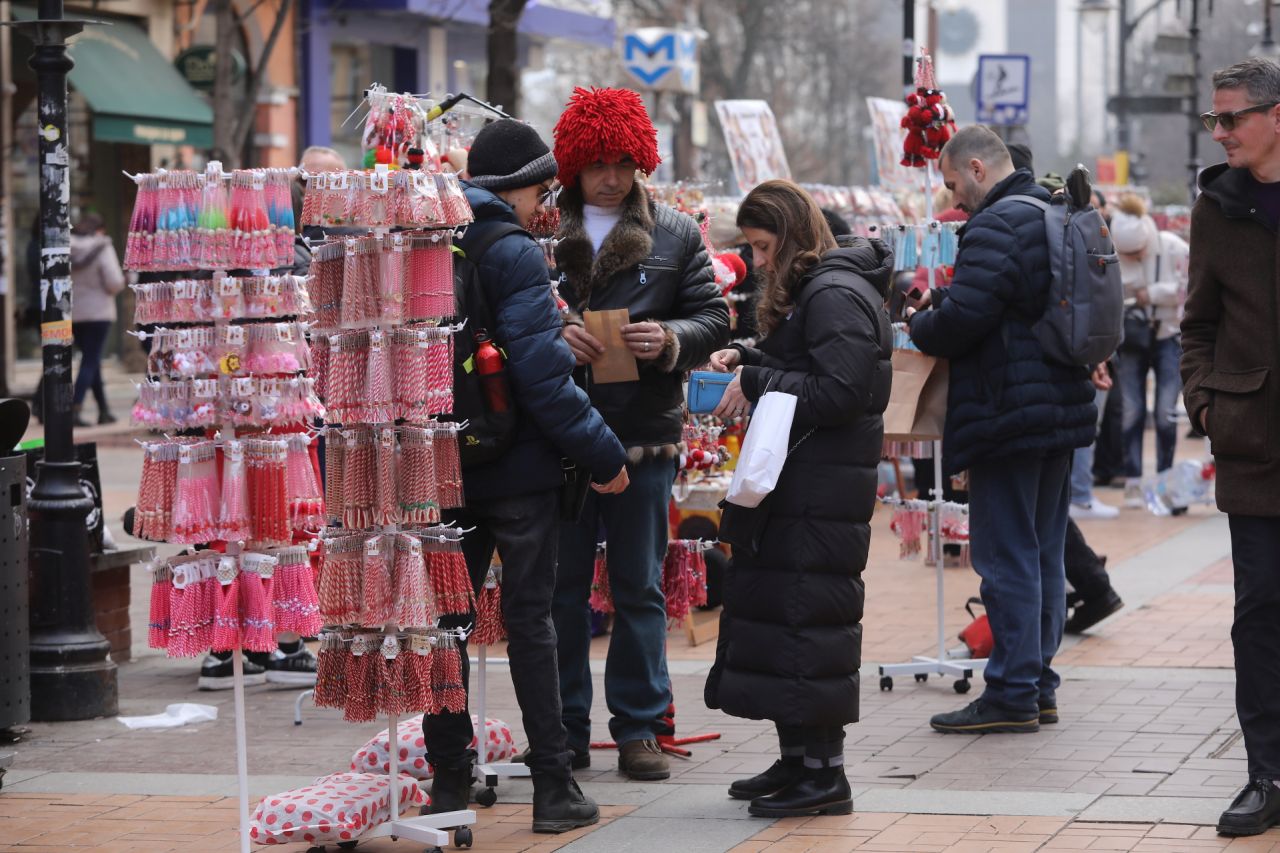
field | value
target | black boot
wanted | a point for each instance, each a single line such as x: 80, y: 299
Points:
x: 559, y: 804
x: 450, y: 788
x: 818, y: 791
x: 784, y: 771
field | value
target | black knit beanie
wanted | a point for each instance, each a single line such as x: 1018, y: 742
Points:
x: 509, y: 154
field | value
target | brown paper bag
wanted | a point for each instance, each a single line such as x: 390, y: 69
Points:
x: 918, y: 398
x: 617, y: 364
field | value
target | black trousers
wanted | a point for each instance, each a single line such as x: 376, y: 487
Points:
x: 525, y: 531
x: 820, y: 746
x: 1085, y: 570
x: 1255, y: 634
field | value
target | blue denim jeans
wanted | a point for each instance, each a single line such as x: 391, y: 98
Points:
x: 1017, y: 530
x: 1082, y: 462
x: 637, y: 687
x: 1163, y: 357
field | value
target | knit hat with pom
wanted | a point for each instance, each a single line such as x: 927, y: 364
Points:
x: 508, y: 155
x: 604, y: 125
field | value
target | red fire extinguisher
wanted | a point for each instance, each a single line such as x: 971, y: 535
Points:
x: 489, y: 369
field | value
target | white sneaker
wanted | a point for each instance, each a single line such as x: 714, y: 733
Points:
x: 1133, y: 497
x: 1093, y: 509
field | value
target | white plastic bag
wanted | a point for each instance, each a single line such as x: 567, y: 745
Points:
x: 764, y: 451
x: 178, y: 714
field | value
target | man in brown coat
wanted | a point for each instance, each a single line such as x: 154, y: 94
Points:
x: 1231, y: 375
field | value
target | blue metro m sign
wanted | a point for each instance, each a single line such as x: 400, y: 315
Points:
x: 661, y: 58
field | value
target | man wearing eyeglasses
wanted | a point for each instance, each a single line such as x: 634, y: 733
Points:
x: 1231, y: 376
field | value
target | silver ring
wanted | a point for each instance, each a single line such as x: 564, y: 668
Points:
x: 646, y: 346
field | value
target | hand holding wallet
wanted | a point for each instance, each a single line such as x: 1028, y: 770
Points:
x: 705, y: 390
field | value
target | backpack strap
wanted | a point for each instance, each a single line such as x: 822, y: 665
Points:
x: 1027, y: 199
x: 473, y: 250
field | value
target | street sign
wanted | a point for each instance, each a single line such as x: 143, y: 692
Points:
x: 662, y: 59
x: 1146, y: 104
x: 1004, y: 88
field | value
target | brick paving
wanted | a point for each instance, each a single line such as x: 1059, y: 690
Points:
x: 1148, y: 738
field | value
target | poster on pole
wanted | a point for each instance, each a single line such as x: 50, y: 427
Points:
x: 755, y: 146
x: 887, y: 134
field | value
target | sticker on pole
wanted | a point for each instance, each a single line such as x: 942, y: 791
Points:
x: 1004, y: 88
x: 55, y: 334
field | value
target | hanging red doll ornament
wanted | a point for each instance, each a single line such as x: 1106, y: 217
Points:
x: 730, y: 270
x: 929, y: 121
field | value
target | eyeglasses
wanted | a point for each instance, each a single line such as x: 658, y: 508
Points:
x: 547, y: 194
x: 1229, y: 120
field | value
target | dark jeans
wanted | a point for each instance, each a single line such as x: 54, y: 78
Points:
x: 636, y: 684
x: 91, y: 339
x: 1108, y: 451
x: 1017, y: 527
x: 1255, y: 634
x: 1085, y: 570
x: 1163, y: 358
x: 524, y: 531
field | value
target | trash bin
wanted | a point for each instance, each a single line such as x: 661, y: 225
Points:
x: 15, y: 676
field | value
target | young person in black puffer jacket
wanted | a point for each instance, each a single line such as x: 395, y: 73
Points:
x: 790, y: 635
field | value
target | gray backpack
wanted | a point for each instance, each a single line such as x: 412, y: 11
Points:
x: 1083, y: 321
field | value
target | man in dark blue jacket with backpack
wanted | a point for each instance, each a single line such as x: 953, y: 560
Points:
x: 1013, y: 419
x: 513, y: 500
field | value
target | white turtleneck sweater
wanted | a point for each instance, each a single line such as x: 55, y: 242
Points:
x: 599, y: 221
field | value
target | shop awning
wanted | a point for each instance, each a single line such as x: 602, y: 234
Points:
x: 136, y: 94
x: 542, y: 19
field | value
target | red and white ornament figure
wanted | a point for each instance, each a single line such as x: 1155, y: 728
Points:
x: 929, y: 121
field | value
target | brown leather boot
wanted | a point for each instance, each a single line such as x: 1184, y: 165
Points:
x: 643, y: 760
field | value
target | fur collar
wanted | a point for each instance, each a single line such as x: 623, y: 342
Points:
x: 629, y: 243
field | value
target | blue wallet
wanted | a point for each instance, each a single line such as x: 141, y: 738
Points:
x: 705, y: 390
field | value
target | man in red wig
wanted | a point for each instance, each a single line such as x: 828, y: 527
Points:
x: 618, y: 249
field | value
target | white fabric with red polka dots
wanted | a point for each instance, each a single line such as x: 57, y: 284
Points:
x: 373, y: 757
x: 341, y: 807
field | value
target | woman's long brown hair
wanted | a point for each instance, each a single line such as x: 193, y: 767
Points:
x: 788, y: 212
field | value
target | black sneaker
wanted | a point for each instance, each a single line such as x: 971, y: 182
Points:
x: 1048, y: 710
x: 1092, y: 611
x: 297, y: 669
x: 216, y: 673
x: 981, y: 718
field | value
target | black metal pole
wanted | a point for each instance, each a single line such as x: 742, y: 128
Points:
x: 1193, y: 118
x: 1122, y: 80
x: 908, y: 46
x: 72, y: 677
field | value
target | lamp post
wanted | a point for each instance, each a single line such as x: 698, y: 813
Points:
x: 72, y: 677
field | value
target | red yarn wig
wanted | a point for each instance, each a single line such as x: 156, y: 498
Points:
x: 604, y: 125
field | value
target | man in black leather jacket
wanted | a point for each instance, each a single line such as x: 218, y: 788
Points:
x: 618, y: 249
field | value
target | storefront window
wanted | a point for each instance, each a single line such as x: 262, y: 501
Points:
x: 352, y: 68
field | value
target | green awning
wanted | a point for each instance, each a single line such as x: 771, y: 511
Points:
x: 136, y: 94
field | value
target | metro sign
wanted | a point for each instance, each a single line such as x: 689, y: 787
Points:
x: 662, y: 58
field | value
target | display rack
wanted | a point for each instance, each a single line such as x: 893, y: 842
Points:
x: 922, y: 666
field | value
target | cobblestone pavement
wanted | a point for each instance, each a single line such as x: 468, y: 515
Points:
x: 1147, y: 754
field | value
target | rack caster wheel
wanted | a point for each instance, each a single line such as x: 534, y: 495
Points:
x: 347, y: 845
x: 962, y: 686
x: 433, y: 850
x: 922, y: 676
x: 886, y: 682
x: 462, y: 836
x: 486, y: 797
x: 316, y: 849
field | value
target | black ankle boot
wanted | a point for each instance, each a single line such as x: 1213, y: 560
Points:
x: 450, y: 789
x: 559, y: 804
x: 817, y: 792
x: 783, y: 772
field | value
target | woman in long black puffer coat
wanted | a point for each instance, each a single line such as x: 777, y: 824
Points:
x: 790, y: 634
